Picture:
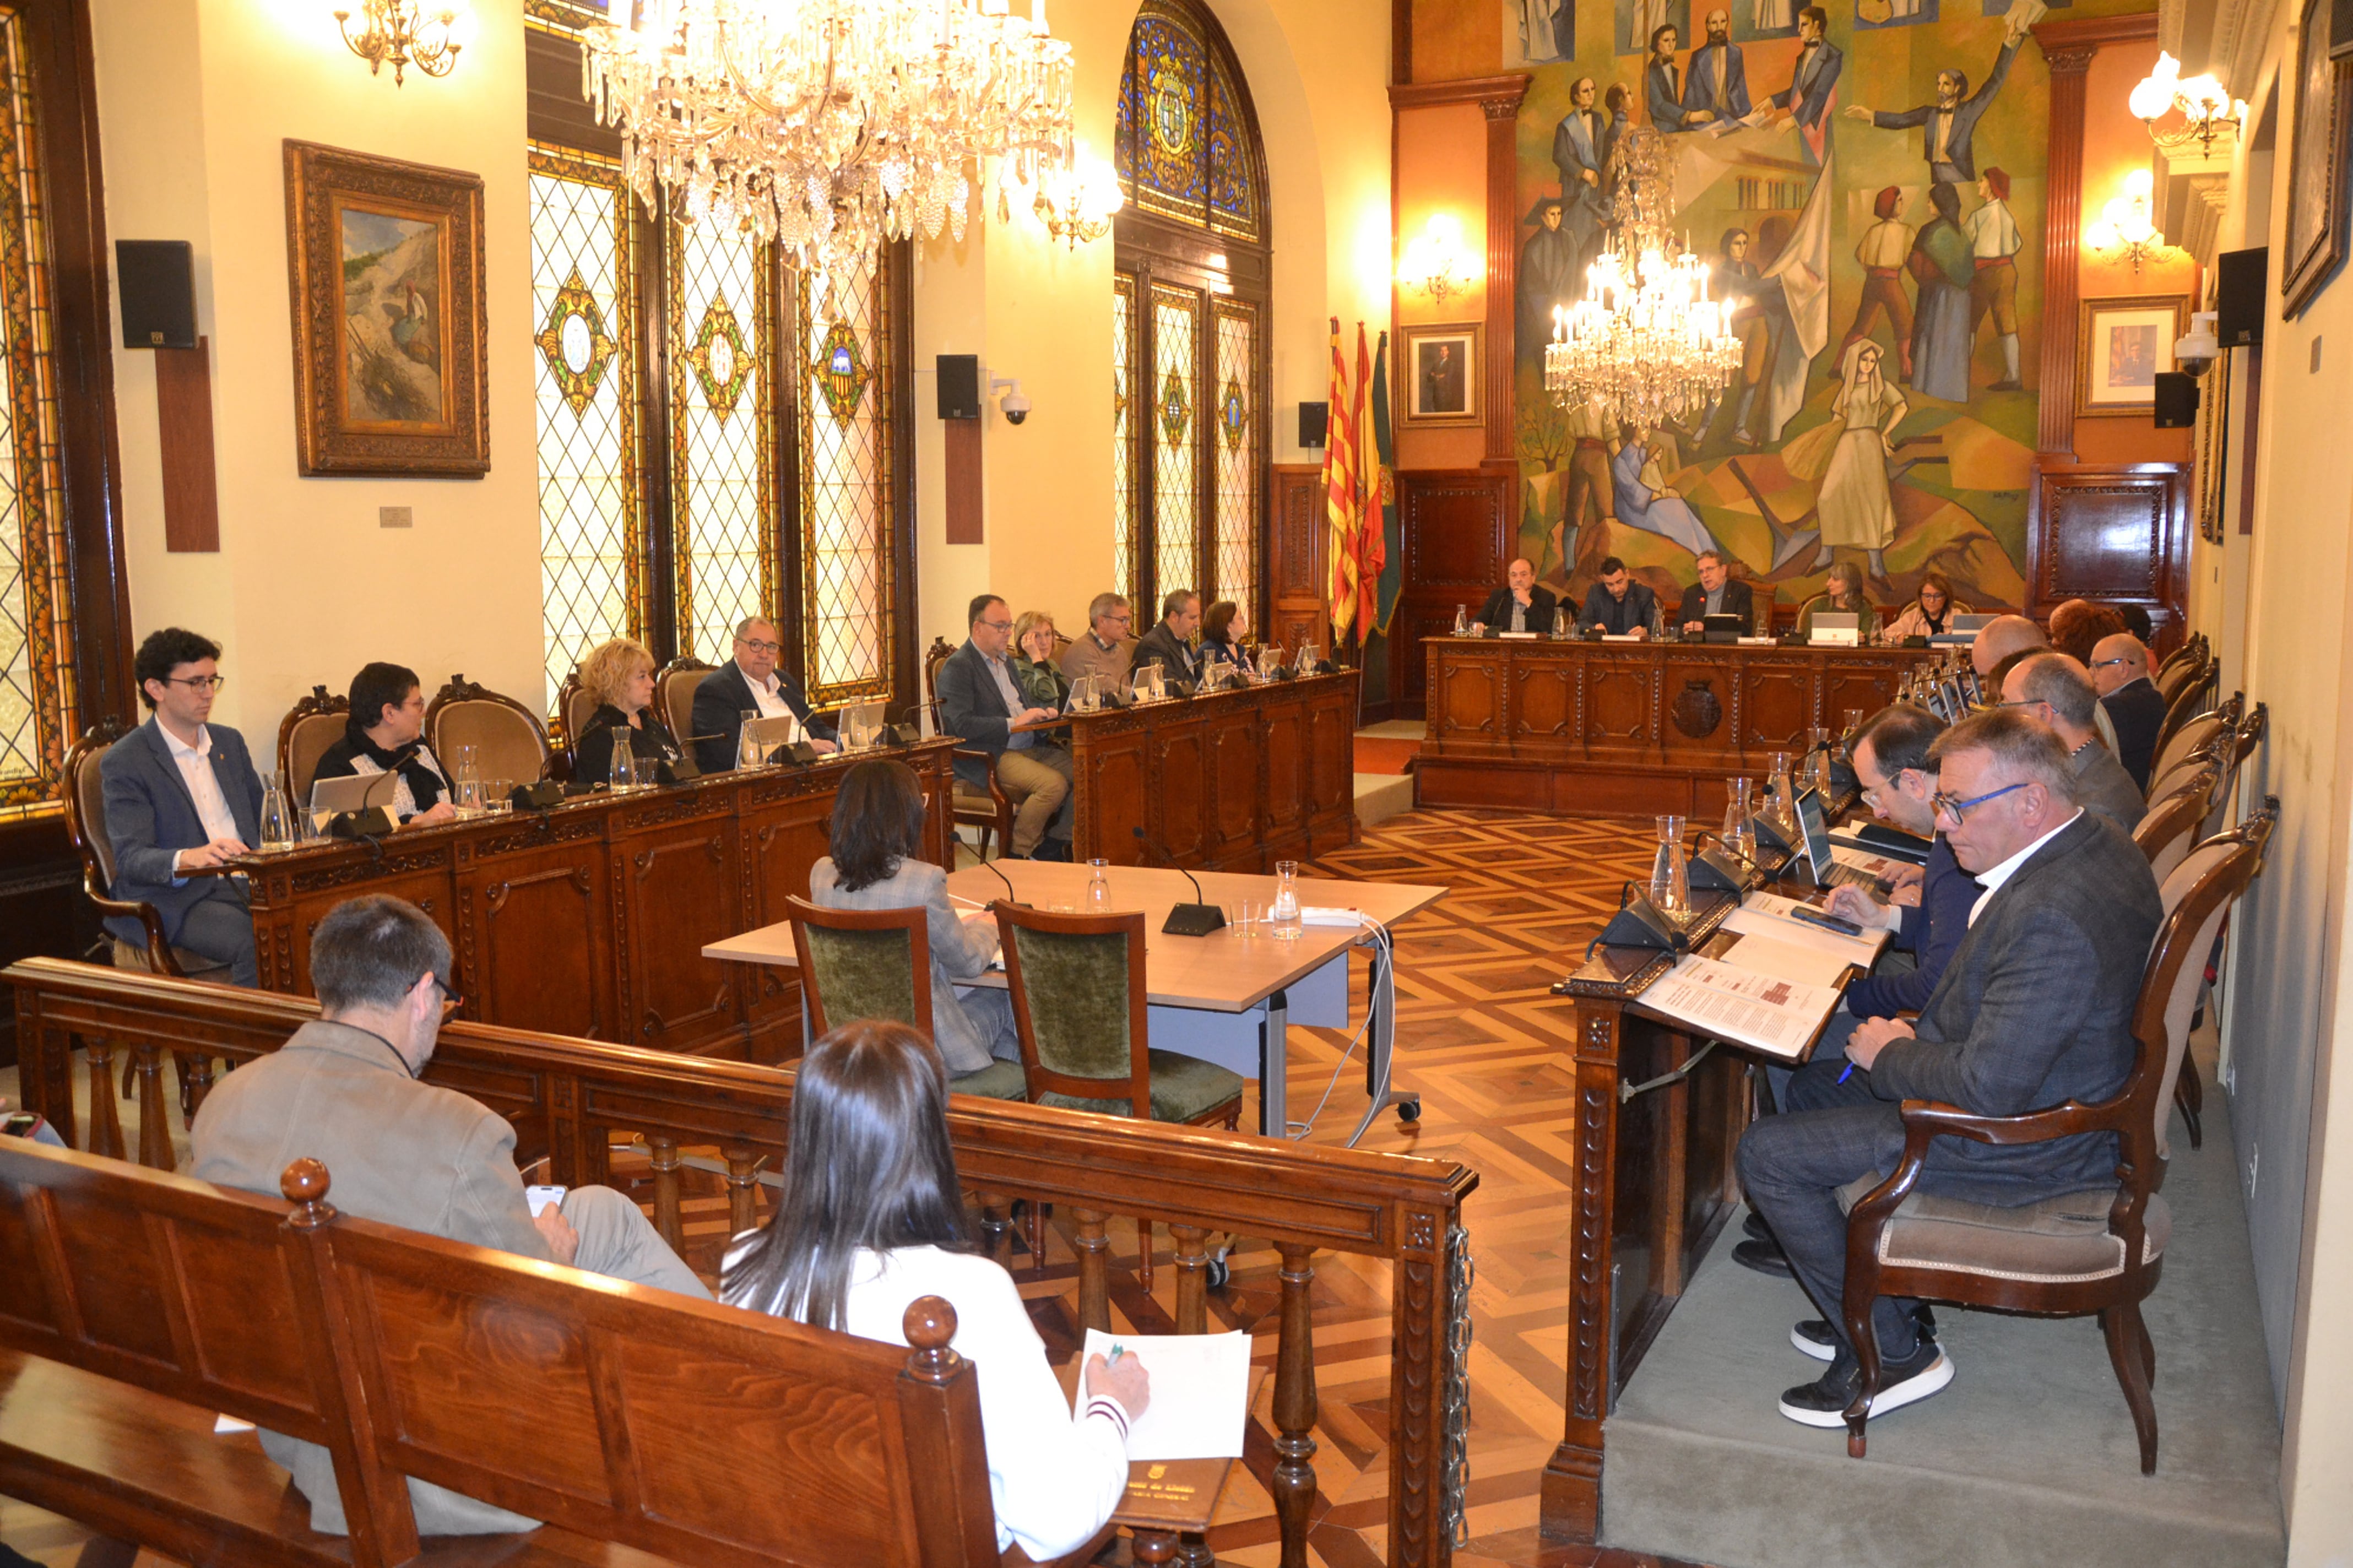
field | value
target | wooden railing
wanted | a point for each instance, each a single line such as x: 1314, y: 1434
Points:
x: 568, y: 1099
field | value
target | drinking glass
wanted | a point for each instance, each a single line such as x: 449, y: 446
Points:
x: 1282, y: 911
x: 1098, y: 886
x: 494, y: 796
x: 1670, y: 879
x: 1245, y: 917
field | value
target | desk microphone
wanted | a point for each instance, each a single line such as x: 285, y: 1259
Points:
x: 1197, y: 919
x: 1001, y: 877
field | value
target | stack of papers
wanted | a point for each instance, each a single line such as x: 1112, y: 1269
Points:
x: 1776, y: 987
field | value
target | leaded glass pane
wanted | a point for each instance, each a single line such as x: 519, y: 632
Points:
x: 37, y: 693
x: 1235, y: 437
x: 845, y: 424
x: 1176, y: 394
x: 722, y: 438
x: 1164, y: 99
x: 585, y: 373
x: 1232, y: 154
x: 1123, y: 433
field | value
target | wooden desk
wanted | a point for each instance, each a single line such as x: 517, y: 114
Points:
x: 589, y: 919
x: 1586, y: 727
x: 1224, y: 998
x: 1237, y: 780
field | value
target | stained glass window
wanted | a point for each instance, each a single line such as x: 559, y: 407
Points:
x: 1175, y: 408
x: 722, y: 435
x: 845, y: 467
x: 1122, y: 435
x: 1185, y: 146
x: 1234, y: 437
x: 586, y: 371
x: 37, y: 687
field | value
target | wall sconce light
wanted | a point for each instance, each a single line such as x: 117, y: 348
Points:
x: 1077, y: 203
x: 2124, y: 229
x: 406, y: 33
x: 1436, y: 262
x: 2208, y: 111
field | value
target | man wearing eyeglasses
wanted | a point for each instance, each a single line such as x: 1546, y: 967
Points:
x: 981, y: 702
x: 2054, y: 689
x: 182, y: 799
x: 2132, y: 701
x: 344, y: 1087
x: 1105, y: 649
x: 748, y: 683
x: 2034, y: 1010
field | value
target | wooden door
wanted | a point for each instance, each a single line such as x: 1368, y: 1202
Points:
x: 1295, y: 549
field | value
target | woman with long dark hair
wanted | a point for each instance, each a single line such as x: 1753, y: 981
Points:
x: 870, y: 1218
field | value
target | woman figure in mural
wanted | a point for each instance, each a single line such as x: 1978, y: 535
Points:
x: 1853, y: 508
x: 1943, y: 265
x: 1927, y: 615
x: 1643, y: 499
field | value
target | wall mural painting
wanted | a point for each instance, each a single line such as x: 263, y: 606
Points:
x: 1867, y: 181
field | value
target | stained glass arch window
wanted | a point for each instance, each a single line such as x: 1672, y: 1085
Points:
x: 1186, y: 145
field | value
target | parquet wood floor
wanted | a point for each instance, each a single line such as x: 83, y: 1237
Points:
x: 1482, y: 1041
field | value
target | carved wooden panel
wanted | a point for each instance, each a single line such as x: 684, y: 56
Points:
x: 1776, y: 705
x: 673, y: 895
x: 2114, y: 533
x: 1236, y: 754
x: 1332, y: 729
x: 511, y: 910
x: 1469, y: 700
x: 1618, y: 702
x: 1177, y: 795
x: 1113, y: 796
x: 1544, y: 702
x: 1296, y: 541
x: 1696, y: 700
x: 1286, y: 768
x: 1847, y: 686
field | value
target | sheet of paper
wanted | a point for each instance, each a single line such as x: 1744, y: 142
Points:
x: 1786, y: 961
x: 224, y: 1424
x: 1863, y: 860
x: 1767, y: 915
x: 1760, y: 1010
x: 1200, y: 1392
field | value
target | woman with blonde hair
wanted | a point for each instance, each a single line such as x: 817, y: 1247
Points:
x: 1035, y: 668
x: 1929, y: 614
x: 620, y: 675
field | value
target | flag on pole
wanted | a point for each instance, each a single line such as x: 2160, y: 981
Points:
x: 1343, y: 498
x: 1370, y: 545
x: 1388, y: 571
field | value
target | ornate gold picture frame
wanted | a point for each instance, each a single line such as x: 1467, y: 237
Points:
x: 384, y: 261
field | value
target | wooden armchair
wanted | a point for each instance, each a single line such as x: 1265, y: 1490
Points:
x: 509, y: 741
x: 674, y: 691
x: 985, y: 806
x: 2194, y: 650
x: 2097, y: 1251
x: 877, y: 964
x: 573, y: 707
x: 2185, y: 732
x: 85, y: 804
x: 2166, y: 834
x: 309, y: 727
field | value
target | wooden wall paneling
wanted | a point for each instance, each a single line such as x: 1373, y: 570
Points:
x: 1110, y: 821
x: 1774, y: 705
x: 513, y: 885
x: 674, y: 892
x: 1455, y: 523
x: 1177, y: 810
x: 2114, y: 533
x: 1295, y: 551
x: 964, y: 479
x: 1331, y: 765
x: 183, y: 427
x: 1237, y: 775
x: 1287, y: 771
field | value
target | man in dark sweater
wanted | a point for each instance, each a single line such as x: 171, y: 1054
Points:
x: 2136, y: 707
x: 2035, y: 1009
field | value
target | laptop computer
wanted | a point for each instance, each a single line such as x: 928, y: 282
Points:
x: 860, y: 724
x: 1843, y: 627
x: 770, y: 733
x: 330, y: 798
x: 1721, y: 627
x: 1829, y: 870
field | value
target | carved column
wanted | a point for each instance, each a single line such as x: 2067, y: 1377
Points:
x: 1503, y: 112
x: 1571, y: 1508
x: 1294, y: 1407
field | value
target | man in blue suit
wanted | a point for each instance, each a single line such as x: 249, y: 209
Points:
x: 182, y: 797
x: 1662, y: 85
x: 1808, y: 97
x: 1580, y: 151
x: 981, y: 702
x: 749, y: 682
x: 1948, y: 125
x: 1717, y: 82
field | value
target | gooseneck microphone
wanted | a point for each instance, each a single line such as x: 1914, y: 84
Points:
x: 1000, y: 876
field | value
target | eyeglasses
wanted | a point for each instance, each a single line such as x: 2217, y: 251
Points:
x: 762, y: 647
x: 1871, y: 792
x: 451, y: 997
x: 197, y: 683
x: 2103, y: 663
x: 1947, y: 805
x: 995, y: 626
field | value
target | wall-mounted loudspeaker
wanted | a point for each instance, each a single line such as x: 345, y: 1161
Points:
x: 2177, y: 400
x: 959, y: 384
x: 157, y: 282
x: 1314, y: 424
x: 2241, y: 286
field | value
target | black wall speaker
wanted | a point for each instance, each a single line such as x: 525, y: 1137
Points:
x: 1314, y: 424
x: 959, y: 380
x: 2242, y: 290
x: 2177, y: 400
x: 157, y: 279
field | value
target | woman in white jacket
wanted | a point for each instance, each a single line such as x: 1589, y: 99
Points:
x: 870, y: 1218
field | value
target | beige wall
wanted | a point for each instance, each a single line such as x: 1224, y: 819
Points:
x: 194, y: 101
x: 1318, y: 71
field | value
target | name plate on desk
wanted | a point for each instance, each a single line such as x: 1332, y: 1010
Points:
x: 1836, y: 637
x: 1519, y: 637
x: 1759, y: 642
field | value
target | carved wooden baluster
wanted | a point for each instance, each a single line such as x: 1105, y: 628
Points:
x: 1154, y: 1546
x: 1192, y: 1278
x: 1094, y: 1269
x: 997, y: 1226
x: 105, y: 1122
x: 743, y: 1187
x: 154, y: 1127
x: 1294, y: 1407
x: 666, y: 1218
x: 195, y: 1083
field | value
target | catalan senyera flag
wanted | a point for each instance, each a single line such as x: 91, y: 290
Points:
x: 1342, y: 497
x: 1370, y: 547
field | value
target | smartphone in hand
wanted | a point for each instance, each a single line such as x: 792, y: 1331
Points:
x: 1814, y: 916
x: 541, y: 1198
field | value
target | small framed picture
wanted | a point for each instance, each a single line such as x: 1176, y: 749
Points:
x: 1442, y: 366
x: 2124, y: 342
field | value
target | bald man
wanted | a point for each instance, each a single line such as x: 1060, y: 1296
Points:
x: 2057, y: 690
x: 2132, y: 701
x: 2001, y: 637
x: 1520, y: 605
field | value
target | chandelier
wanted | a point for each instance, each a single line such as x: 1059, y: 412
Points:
x: 1645, y: 342
x: 832, y: 126
x: 2208, y: 111
x: 397, y: 31
x: 2124, y: 229
x: 1076, y: 201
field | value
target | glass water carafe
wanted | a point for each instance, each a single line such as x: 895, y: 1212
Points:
x: 277, y: 818
x: 1282, y: 911
x: 1670, y: 879
x: 1560, y: 622
x: 1818, y: 763
x: 623, y: 774
x: 749, y: 753
x: 1736, y: 835
x: 1780, y: 798
x: 1098, y: 886
x: 1461, y: 620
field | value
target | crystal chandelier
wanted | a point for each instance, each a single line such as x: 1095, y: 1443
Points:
x: 1645, y: 342
x: 832, y: 126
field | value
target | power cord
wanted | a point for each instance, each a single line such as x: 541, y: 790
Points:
x: 1387, y: 951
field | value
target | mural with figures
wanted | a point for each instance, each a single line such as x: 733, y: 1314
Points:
x: 1866, y: 179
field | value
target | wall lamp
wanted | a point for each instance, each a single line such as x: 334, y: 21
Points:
x: 1436, y: 262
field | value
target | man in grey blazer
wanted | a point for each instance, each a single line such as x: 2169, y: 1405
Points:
x: 343, y: 1088
x: 2035, y: 1009
x: 2054, y: 689
x: 181, y: 797
x: 980, y: 703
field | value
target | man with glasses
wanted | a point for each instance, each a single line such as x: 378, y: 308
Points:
x: 2131, y: 700
x: 2034, y: 1010
x: 1104, y: 649
x: 1169, y: 645
x: 182, y: 799
x: 1929, y: 915
x: 2055, y: 689
x: 981, y: 702
x: 344, y: 1087
x: 748, y: 683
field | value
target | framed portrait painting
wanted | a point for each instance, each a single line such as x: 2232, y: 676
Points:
x: 2316, y: 194
x: 1442, y: 367
x: 2122, y: 345
x: 385, y: 259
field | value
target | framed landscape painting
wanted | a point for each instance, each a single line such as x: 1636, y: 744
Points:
x: 2317, y: 181
x: 385, y: 264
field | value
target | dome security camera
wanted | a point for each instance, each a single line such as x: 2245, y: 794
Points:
x: 1011, y: 404
x: 2198, y: 348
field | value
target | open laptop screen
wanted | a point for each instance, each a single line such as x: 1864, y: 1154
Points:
x: 1817, y: 829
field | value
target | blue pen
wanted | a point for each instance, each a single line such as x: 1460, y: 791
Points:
x: 1847, y: 1072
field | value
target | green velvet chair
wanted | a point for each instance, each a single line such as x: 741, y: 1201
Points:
x: 875, y: 963
x: 1079, y: 1002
